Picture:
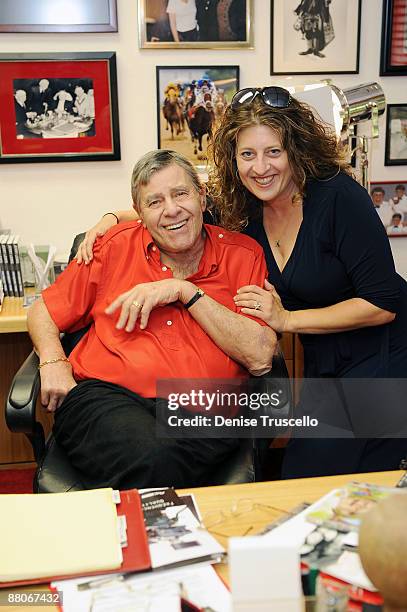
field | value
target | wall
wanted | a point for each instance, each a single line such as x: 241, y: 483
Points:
x: 52, y: 202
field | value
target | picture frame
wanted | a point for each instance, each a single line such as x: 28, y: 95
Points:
x: 390, y: 201
x: 190, y: 99
x: 49, y: 16
x: 393, y: 53
x: 327, y: 42
x: 58, y: 107
x: 396, y: 135
x: 209, y: 24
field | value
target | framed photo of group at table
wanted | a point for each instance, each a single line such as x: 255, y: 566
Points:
x: 58, y: 107
x: 393, y: 55
x: 211, y: 24
x: 315, y: 36
x: 390, y: 201
x: 190, y: 100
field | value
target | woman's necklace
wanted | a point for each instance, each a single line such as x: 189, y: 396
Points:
x: 277, y: 242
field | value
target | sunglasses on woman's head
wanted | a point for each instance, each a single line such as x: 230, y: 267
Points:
x: 276, y: 97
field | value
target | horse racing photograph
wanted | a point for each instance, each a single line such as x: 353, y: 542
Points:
x: 190, y: 100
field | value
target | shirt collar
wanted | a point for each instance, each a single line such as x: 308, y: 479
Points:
x: 209, y: 259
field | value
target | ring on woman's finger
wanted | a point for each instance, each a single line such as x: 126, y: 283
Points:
x: 136, y: 304
x: 257, y: 306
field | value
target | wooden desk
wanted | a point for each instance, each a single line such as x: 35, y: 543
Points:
x: 15, y: 346
x: 283, y: 494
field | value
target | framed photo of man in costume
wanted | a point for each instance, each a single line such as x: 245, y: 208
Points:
x: 315, y: 36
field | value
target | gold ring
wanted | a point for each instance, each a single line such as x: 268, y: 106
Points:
x: 136, y: 304
x: 257, y: 306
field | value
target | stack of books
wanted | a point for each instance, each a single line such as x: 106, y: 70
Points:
x: 10, y: 266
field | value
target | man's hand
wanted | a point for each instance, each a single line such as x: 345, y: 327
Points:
x: 140, y: 301
x: 56, y: 382
x: 264, y: 304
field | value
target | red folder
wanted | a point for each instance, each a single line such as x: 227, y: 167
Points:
x: 136, y: 555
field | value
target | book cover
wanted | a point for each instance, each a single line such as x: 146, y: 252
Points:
x: 175, y: 534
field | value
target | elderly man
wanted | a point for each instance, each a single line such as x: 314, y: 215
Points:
x: 158, y: 295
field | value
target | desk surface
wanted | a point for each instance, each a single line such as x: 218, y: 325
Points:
x: 13, y: 317
x: 282, y: 494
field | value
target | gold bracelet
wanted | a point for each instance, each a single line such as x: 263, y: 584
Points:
x: 41, y: 365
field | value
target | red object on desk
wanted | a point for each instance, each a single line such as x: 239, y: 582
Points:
x: 136, y: 555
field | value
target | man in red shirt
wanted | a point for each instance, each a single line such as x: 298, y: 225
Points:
x: 178, y: 320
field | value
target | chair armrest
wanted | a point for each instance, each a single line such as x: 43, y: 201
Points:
x: 276, y: 381
x: 21, y: 404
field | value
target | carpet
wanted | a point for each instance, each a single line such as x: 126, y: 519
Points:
x: 17, y: 481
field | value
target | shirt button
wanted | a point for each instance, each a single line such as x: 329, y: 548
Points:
x: 169, y: 322
x: 154, y: 248
x: 138, y: 220
x: 147, y: 257
x: 220, y: 235
x: 164, y: 268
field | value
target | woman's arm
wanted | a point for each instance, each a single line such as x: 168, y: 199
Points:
x: 173, y: 26
x: 85, y: 250
x: 344, y: 316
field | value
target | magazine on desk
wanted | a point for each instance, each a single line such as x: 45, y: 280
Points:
x: 343, y: 508
x: 174, y: 531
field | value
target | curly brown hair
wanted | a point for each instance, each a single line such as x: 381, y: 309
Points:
x: 312, y: 149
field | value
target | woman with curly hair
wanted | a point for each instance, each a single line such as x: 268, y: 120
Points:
x: 279, y: 175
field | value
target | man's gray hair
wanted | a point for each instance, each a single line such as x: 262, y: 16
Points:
x: 154, y: 161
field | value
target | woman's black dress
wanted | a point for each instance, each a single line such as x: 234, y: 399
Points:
x: 342, y: 252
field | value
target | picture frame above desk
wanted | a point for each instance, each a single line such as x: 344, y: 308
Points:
x: 52, y: 16
x: 58, y: 107
x: 393, y: 53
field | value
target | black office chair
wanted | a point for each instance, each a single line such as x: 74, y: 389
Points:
x: 55, y: 472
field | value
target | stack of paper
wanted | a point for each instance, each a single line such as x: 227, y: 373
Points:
x: 58, y: 534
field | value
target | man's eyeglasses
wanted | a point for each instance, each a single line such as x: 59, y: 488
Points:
x: 276, y: 97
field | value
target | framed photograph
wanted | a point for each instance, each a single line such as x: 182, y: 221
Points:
x: 190, y: 99
x: 58, y: 107
x: 390, y: 201
x: 396, y: 135
x: 195, y: 24
x: 393, y: 54
x: 58, y: 16
x: 315, y: 36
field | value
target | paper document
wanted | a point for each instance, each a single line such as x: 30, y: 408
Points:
x: 155, y: 592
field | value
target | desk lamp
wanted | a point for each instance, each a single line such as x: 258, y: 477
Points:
x: 344, y: 109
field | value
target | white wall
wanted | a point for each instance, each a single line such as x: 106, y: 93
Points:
x: 52, y: 201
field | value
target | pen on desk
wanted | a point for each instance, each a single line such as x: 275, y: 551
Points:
x: 100, y: 582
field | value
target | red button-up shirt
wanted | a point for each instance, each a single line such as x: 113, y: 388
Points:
x: 173, y: 345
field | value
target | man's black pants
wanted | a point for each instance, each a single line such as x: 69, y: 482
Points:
x: 109, y: 434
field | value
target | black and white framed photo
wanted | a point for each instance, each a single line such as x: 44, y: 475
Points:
x: 58, y: 107
x: 396, y: 135
x: 190, y: 99
x: 393, y: 55
x: 315, y: 36
x: 195, y: 24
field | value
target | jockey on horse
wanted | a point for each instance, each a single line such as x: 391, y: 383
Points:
x: 173, y: 107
